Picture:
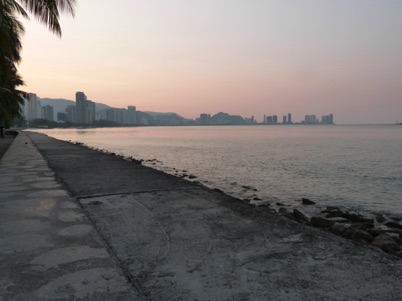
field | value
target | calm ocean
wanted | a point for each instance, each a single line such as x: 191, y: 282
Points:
x: 355, y: 167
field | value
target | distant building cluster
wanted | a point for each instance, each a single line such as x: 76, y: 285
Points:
x: 312, y: 119
x: 84, y: 113
x: 120, y: 116
x: 226, y: 119
x: 88, y: 113
x: 33, y: 110
x: 286, y: 119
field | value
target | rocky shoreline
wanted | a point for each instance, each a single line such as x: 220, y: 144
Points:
x: 382, y: 232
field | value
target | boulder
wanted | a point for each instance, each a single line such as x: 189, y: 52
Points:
x: 300, y: 216
x: 362, y: 235
x: 395, y: 225
x: 286, y: 213
x: 307, y: 201
x: 334, y: 212
x: 321, y: 222
x: 339, y: 229
x: 380, y: 218
x: 358, y: 218
x: 341, y: 220
x: 386, y: 243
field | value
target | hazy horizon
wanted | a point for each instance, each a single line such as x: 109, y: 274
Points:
x: 246, y: 58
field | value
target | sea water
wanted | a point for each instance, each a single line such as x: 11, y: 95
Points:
x: 354, y: 167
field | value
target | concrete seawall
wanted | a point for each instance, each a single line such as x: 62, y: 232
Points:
x: 158, y: 237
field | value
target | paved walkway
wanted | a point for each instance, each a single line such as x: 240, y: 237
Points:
x: 5, y: 143
x: 48, y: 248
x: 128, y: 232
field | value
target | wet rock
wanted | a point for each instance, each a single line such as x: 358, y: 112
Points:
x: 340, y: 220
x: 380, y: 218
x: 321, y: 222
x: 300, y: 216
x: 332, y: 211
x: 392, y: 224
x: 307, y: 201
x: 358, y: 218
x: 376, y: 231
x: 359, y: 234
x: 386, y: 243
x: 339, y: 229
x: 283, y: 210
x: 360, y: 226
x: 286, y: 213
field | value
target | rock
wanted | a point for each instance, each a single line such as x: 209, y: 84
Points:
x: 376, y: 231
x: 192, y: 177
x: 300, y: 216
x: 380, y: 218
x: 321, y: 222
x: 307, y: 202
x: 358, y: 234
x: 283, y: 210
x: 340, y: 220
x: 333, y: 212
x: 357, y: 218
x: 359, y: 226
x: 286, y: 213
x: 386, y: 243
x: 330, y: 209
x: 279, y: 204
x: 393, y: 225
x: 339, y: 229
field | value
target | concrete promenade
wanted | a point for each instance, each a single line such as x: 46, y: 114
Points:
x: 77, y: 224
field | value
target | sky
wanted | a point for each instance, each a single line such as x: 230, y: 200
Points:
x: 243, y: 57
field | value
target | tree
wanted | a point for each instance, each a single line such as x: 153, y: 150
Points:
x: 47, y: 12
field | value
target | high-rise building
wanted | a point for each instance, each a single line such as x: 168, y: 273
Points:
x: 32, y: 107
x: 269, y: 120
x: 327, y: 119
x: 85, y: 109
x: 80, y: 107
x: 132, y: 115
x: 310, y: 119
x: 47, y: 113
x: 275, y: 119
x: 90, y: 112
x: 71, y: 114
x: 284, y: 119
x: 289, y: 118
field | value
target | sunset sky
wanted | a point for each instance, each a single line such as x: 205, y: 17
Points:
x: 246, y: 57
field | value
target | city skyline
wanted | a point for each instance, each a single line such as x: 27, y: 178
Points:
x: 83, y: 112
x: 343, y: 57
